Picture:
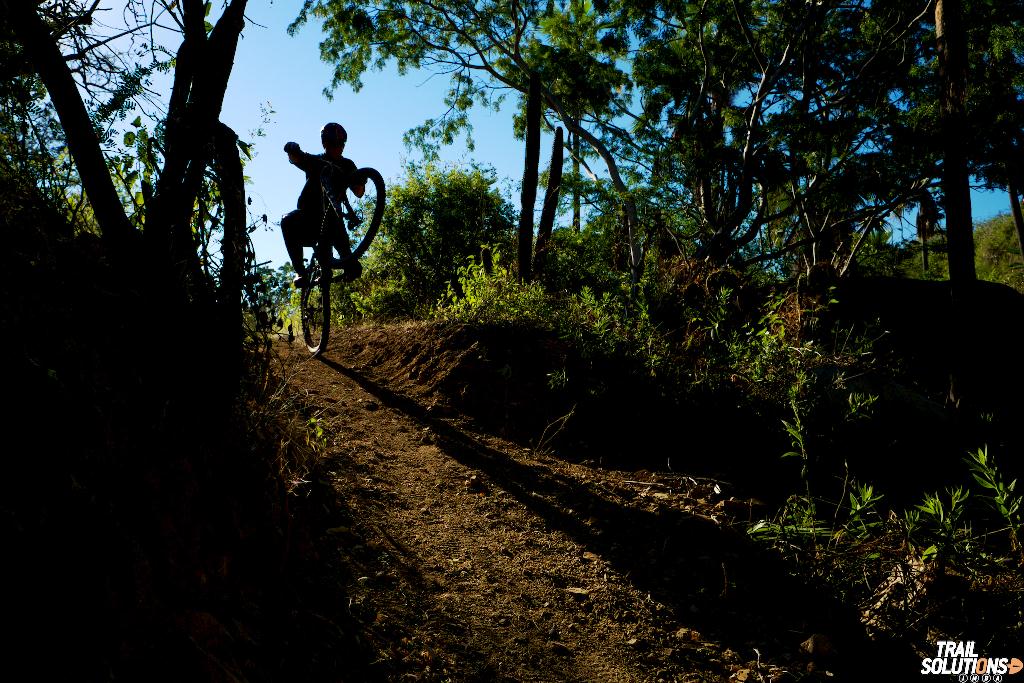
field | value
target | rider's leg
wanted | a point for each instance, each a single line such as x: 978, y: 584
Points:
x: 353, y: 269
x: 337, y: 228
x: 296, y: 232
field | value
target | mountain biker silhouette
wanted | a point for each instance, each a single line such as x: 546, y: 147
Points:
x: 301, y: 228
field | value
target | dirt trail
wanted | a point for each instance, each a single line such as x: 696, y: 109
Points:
x: 476, y: 559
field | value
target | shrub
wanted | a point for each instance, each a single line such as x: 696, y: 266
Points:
x: 580, y: 259
x: 435, y: 219
x: 497, y: 298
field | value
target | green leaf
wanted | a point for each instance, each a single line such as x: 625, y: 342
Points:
x: 981, y: 480
x: 137, y: 122
x: 757, y: 527
x: 129, y: 139
x: 209, y: 26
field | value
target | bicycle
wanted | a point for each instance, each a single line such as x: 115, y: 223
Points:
x: 315, y: 307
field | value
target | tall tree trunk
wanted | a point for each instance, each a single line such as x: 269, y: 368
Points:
x: 201, y: 75
x: 621, y: 189
x: 231, y: 180
x: 1018, y: 219
x: 529, y: 191
x: 951, y: 39
x: 575, y: 146
x: 547, y: 214
x: 927, y: 220
x: 45, y: 56
x: 952, y: 52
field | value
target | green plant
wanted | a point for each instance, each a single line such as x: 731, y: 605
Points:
x: 609, y: 325
x: 864, y: 518
x: 496, y: 298
x: 558, y: 379
x: 796, y: 530
x: 316, y: 437
x: 581, y: 259
x: 717, y: 313
x: 797, y: 440
x: 938, y: 525
x: 268, y: 298
x: 593, y: 320
x: 999, y: 495
x: 860, y: 406
x: 386, y: 299
x: 761, y: 353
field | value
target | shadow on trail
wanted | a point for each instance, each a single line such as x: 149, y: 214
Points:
x: 711, y: 577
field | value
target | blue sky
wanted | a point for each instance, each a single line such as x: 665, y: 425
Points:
x: 286, y: 73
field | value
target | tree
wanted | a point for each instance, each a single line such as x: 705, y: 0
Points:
x: 46, y: 58
x: 31, y: 140
x: 997, y: 252
x: 784, y: 120
x: 147, y: 347
x: 951, y: 46
x: 979, y: 88
x: 1018, y: 217
x: 995, y: 102
x: 165, y: 257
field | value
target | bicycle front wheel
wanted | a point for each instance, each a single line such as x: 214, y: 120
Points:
x: 371, y: 209
x: 316, y: 307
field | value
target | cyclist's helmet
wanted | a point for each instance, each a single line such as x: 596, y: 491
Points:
x: 333, y: 135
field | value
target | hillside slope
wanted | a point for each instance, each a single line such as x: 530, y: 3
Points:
x: 476, y: 558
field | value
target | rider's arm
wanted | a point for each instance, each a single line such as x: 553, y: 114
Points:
x: 360, y: 189
x: 306, y: 162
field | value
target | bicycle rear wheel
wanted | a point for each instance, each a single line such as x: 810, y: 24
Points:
x: 316, y: 307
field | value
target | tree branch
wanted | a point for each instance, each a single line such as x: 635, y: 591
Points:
x: 43, y: 52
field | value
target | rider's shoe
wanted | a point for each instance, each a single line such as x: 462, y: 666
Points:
x: 353, y: 269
